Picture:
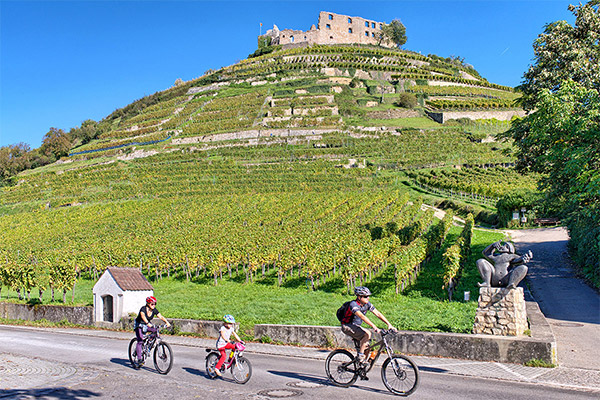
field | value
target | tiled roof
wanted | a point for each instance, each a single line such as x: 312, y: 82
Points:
x: 130, y: 278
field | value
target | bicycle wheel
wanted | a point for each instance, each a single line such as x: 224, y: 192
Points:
x: 163, y: 357
x: 133, y: 354
x: 211, y: 360
x: 241, y: 370
x: 340, y: 368
x: 400, y: 375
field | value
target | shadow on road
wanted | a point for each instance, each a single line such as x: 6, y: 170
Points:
x: 197, y: 372
x: 323, y: 381
x: 303, y: 377
x: 122, y: 361
x: 48, y: 393
x: 433, y: 369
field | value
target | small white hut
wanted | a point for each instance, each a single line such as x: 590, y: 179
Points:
x: 118, y: 292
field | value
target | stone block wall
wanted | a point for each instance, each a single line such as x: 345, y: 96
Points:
x: 501, y: 115
x: 501, y: 312
x: 74, y: 315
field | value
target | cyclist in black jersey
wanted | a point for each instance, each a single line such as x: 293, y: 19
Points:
x: 142, y: 323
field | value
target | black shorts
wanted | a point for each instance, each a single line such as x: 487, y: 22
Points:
x: 354, y: 331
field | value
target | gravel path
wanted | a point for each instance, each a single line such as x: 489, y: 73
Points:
x: 571, y: 307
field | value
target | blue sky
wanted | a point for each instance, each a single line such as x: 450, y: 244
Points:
x: 62, y: 62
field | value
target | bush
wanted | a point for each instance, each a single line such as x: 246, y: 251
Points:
x: 407, y: 100
x: 516, y: 200
x: 355, y: 82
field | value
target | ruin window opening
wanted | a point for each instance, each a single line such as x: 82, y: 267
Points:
x: 330, y: 16
x: 292, y: 39
x: 367, y: 34
x: 349, y: 30
x: 349, y: 20
x: 328, y: 26
x: 373, y: 25
x: 367, y: 24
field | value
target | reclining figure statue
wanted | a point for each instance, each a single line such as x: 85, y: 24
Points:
x: 505, y: 269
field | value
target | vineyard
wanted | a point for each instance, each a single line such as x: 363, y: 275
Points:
x: 268, y: 177
x: 492, y: 182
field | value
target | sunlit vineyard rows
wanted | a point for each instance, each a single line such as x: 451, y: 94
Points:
x: 495, y: 182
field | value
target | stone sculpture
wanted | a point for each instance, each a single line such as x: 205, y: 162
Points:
x: 502, y: 267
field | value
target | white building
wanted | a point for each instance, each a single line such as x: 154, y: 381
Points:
x: 118, y: 292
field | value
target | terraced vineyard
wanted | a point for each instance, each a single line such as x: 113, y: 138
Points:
x: 267, y: 172
x: 492, y: 182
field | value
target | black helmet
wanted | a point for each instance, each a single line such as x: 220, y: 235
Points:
x: 362, y: 291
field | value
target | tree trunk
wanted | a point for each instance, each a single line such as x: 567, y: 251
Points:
x: 41, y: 293
x: 73, y: 294
x: 64, y: 295
x: 19, y: 294
x: 28, y: 295
x: 52, y: 292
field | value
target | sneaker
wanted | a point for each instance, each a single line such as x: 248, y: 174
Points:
x: 218, y: 372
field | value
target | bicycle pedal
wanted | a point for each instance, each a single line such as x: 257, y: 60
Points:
x: 364, y: 378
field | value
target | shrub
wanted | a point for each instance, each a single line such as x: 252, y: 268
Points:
x: 407, y: 100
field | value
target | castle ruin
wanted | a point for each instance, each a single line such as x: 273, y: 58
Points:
x: 331, y: 29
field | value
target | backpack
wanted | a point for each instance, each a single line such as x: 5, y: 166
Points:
x: 344, y: 313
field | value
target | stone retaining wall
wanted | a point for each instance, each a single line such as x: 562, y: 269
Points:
x: 74, y: 315
x: 252, y: 134
x: 506, y: 115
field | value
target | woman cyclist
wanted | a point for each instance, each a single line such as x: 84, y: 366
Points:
x: 142, y: 323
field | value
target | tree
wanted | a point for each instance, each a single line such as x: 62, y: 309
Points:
x: 565, y: 52
x: 394, y: 32
x: 86, y: 132
x: 56, y: 143
x: 14, y: 159
x: 561, y: 139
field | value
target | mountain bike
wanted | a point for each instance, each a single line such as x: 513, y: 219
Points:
x: 399, y: 373
x: 163, y: 355
x: 240, y: 366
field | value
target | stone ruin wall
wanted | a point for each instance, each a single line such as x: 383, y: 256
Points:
x: 332, y: 29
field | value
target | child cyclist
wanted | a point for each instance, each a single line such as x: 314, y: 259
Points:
x: 142, y: 323
x: 355, y: 315
x: 223, y: 343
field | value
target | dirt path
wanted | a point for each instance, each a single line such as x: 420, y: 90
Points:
x: 571, y: 307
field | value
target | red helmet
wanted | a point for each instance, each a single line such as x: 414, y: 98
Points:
x: 150, y: 299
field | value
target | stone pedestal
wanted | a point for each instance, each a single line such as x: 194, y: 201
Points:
x: 501, y: 311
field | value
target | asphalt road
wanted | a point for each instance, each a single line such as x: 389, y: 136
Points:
x: 571, y: 307
x: 53, y: 365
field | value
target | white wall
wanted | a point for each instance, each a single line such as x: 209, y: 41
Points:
x: 124, y: 302
x: 132, y: 301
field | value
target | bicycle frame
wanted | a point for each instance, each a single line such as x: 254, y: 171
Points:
x: 383, y: 345
x: 237, y: 352
x: 150, y: 340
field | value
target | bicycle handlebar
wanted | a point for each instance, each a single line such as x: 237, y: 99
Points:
x: 385, y: 332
